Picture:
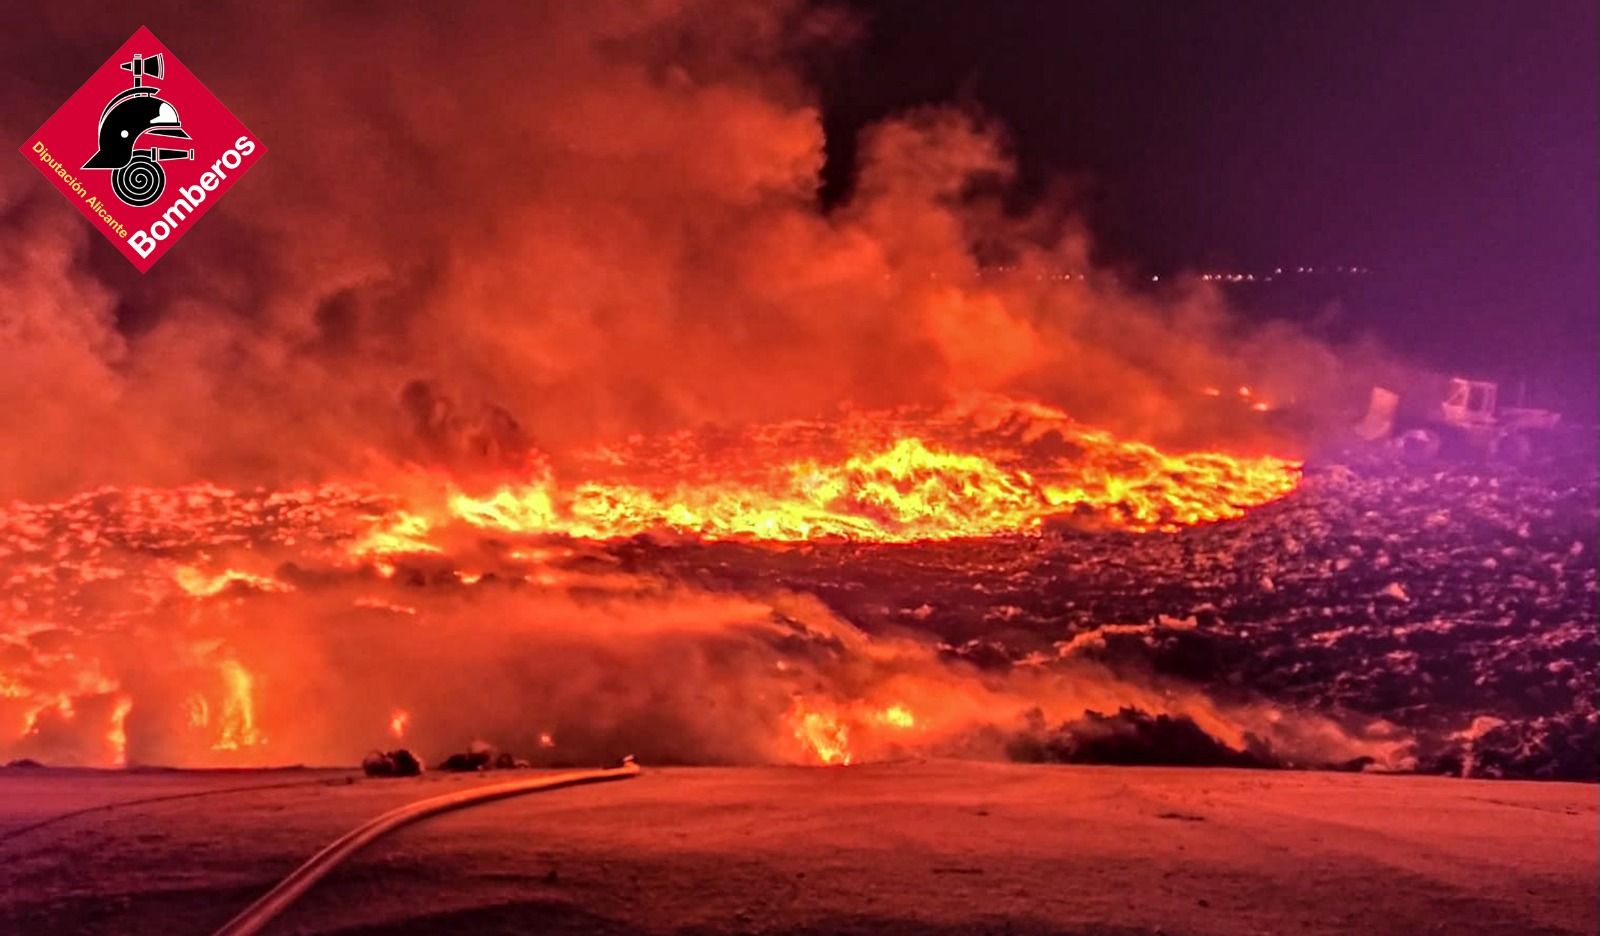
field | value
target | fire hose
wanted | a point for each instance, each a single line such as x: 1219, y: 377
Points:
x: 301, y: 879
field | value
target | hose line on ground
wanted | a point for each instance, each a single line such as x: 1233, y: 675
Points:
x: 275, y: 901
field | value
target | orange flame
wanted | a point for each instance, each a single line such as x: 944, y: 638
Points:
x: 907, y: 490
x: 831, y: 734
x: 899, y: 716
x: 403, y: 532
x: 824, y: 738
x: 197, y: 583
x: 117, y: 734
x: 199, y: 711
x: 238, y: 709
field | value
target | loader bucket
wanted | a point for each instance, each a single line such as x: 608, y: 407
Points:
x: 1379, y: 421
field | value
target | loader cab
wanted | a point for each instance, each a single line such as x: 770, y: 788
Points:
x: 1470, y: 402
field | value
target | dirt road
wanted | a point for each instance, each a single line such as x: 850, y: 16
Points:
x: 922, y: 847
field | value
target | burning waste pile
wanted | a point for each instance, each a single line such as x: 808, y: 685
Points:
x: 982, y: 466
x: 200, y: 626
x: 1050, y: 598
x: 702, y: 469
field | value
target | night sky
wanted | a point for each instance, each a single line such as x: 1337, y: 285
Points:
x: 1449, y: 146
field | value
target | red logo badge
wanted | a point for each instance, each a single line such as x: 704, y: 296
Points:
x: 143, y: 149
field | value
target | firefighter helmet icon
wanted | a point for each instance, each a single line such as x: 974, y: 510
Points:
x: 134, y: 113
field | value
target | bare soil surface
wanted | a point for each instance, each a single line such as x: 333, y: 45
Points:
x: 918, y: 847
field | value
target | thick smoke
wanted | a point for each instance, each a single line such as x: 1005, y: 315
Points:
x: 547, y: 224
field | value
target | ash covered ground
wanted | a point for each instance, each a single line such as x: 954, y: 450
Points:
x: 1457, y: 602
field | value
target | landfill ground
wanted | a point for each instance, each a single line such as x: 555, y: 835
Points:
x: 917, y: 847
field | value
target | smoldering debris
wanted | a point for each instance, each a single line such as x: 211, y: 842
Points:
x: 1130, y: 736
x: 478, y: 757
x: 397, y: 763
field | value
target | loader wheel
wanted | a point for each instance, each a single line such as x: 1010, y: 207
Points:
x: 1419, y: 445
x: 1513, y: 448
x: 140, y: 182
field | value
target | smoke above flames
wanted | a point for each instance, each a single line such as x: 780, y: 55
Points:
x: 488, y: 229
x: 487, y: 244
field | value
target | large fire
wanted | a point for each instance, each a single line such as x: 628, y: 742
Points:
x: 824, y: 729
x: 976, y: 471
x: 994, y: 467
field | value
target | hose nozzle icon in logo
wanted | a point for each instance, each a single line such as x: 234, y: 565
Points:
x: 136, y: 175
